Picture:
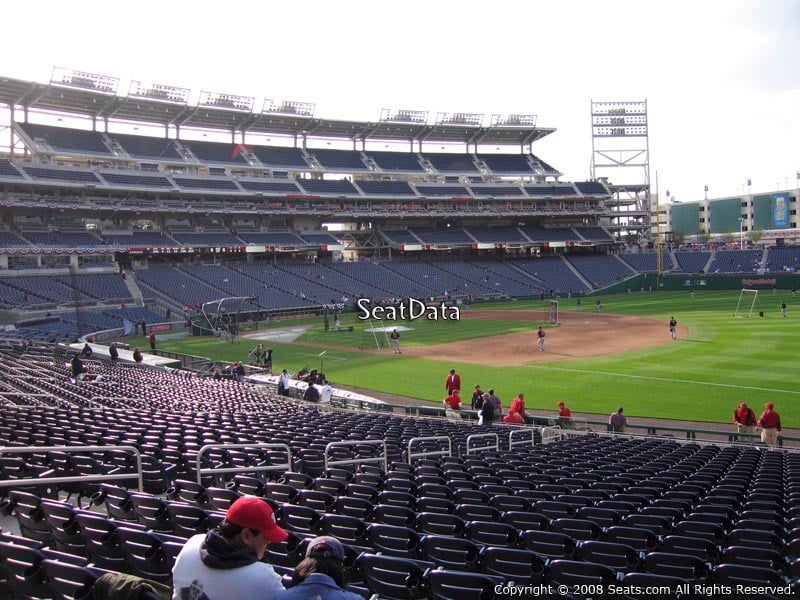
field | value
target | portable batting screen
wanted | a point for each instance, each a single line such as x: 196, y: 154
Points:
x: 748, y: 301
x: 553, y: 316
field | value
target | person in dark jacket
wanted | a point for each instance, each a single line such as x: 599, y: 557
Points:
x: 113, y: 352
x: 320, y: 575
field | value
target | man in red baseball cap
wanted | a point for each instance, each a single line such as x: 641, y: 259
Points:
x: 225, y: 563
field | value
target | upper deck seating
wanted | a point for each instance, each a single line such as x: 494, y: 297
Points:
x: 72, y: 239
x: 9, y: 239
x: 215, y: 152
x: 278, y: 156
x: 398, y: 237
x: 443, y: 236
x: 7, y: 169
x: 206, y: 239
x: 594, y: 234
x: 497, y: 234
x: 140, y: 238
x: 506, y: 163
x: 451, y: 162
x: 328, y: 186
x: 320, y: 239
x: 550, y: 234
x: 345, y: 161
x: 397, y: 161
x: 510, y: 189
x: 131, y: 180
x: 66, y: 139
x: 207, y: 183
x: 141, y: 146
x: 591, y: 188
x: 65, y: 175
x: 441, y: 190
x: 386, y: 188
x: 555, y: 190
x: 275, y: 238
x: 269, y: 187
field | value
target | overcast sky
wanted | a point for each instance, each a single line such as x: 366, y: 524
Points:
x: 721, y: 78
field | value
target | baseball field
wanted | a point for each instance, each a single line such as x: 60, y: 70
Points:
x: 594, y: 361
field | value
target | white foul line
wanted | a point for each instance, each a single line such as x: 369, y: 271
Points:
x: 727, y: 385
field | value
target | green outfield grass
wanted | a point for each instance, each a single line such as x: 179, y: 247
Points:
x: 701, y: 377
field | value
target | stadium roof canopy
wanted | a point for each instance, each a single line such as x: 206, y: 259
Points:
x: 167, y: 106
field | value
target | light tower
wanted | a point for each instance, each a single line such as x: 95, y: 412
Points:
x: 621, y: 156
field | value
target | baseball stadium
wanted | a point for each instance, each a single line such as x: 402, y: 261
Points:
x: 164, y: 262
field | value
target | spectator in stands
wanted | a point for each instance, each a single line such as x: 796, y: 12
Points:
x: 76, y: 365
x: 152, y: 341
x: 518, y: 405
x: 744, y: 418
x: 564, y: 415
x: 617, y: 421
x: 144, y: 327
x: 453, y: 382
x: 486, y: 414
x: 226, y: 563
x: 513, y: 417
x: 217, y: 376
x: 238, y: 371
x: 477, y: 398
x: 770, y: 423
x: 113, y: 352
x: 268, y: 360
x: 320, y: 575
x: 326, y: 392
x: 137, y: 355
x: 284, y: 383
x: 311, y: 394
x: 497, y: 405
x: 452, y: 401
x: 87, y: 350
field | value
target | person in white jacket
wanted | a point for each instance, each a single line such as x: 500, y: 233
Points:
x: 225, y: 563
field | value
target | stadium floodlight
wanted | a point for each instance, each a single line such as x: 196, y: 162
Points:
x: 513, y: 121
x: 618, y: 119
x: 227, y: 101
x: 83, y: 80
x: 158, y: 91
x: 460, y: 118
x: 418, y: 117
x: 288, y: 107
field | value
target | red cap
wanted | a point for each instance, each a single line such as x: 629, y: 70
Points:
x: 560, y: 403
x: 769, y: 405
x: 253, y: 512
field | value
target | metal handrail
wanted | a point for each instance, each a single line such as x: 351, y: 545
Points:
x: 438, y: 438
x: 478, y: 436
x: 103, y: 477
x: 357, y: 461
x: 210, y: 471
x: 518, y: 432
